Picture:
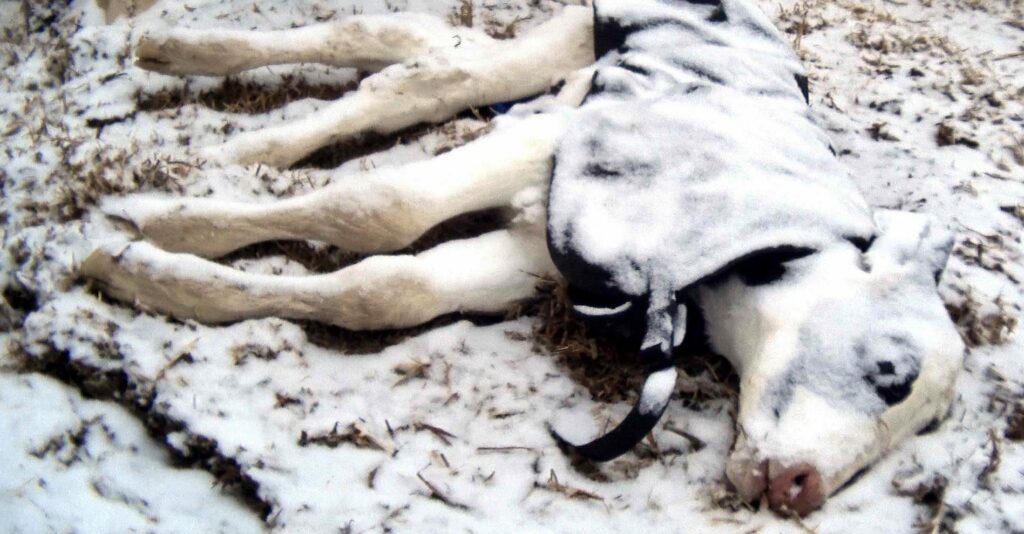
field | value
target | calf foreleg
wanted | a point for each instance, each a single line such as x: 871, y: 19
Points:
x: 429, y: 89
x: 365, y: 42
x: 378, y: 211
x: 486, y: 274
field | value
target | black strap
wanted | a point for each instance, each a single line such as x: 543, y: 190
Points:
x: 637, y: 424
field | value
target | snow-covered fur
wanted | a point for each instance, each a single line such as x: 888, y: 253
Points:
x: 843, y: 356
x: 693, y: 158
x: 692, y: 172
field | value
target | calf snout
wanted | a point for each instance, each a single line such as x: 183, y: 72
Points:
x: 796, y: 488
x: 788, y: 489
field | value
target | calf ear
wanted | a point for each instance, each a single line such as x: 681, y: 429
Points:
x: 907, y: 238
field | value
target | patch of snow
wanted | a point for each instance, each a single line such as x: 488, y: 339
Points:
x: 72, y: 464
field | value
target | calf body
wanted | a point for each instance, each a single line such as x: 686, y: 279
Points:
x: 691, y: 178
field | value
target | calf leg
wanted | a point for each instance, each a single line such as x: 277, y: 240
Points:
x: 378, y: 293
x: 378, y: 211
x: 365, y: 42
x: 430, y: 89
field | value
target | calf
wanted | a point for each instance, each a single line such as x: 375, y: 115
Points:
x: 681, y: 174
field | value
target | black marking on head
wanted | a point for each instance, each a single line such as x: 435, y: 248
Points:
x: 868, y: 373
x: 894, y: 373
x: 861, y: 243
x: 805, y: 89
x: 768, y: 265
x: 891, y: 389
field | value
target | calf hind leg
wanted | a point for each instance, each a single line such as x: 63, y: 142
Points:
x: 365, y: 42
x: 381, y: 292
x: 429, y: 89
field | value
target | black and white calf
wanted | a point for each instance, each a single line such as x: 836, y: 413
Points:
x: 681, y: 173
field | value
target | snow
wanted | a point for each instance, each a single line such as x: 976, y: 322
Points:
x: 485, y: 385
x: 657, y: 390
x: 72, y: 464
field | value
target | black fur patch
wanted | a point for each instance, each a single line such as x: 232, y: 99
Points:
x: 767, y: 266
x: 893, y: 393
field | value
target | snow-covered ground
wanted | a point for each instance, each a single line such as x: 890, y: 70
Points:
x: 145, y: 423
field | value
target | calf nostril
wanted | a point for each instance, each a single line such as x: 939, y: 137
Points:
x: 795, y: 489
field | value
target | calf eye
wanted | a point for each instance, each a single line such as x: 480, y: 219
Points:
x: 891, y: 387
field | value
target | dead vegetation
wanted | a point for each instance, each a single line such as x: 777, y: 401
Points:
x: 609, y: 368
x: 355, y: 434
x: 980, y: 325
x: 981, y: 93
x: 118, y: 386
x: 1015, y: 424
x: 237, y: 96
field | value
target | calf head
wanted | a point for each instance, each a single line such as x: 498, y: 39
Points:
x: 841, y: 353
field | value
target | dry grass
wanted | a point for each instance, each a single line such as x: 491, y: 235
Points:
x: 609, y: 369
x: 462, y: 14
x: 979, y: 327
x: 235, y: 96
x: 1015, y: 424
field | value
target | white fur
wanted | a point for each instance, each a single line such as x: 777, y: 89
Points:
x: 758, y: 328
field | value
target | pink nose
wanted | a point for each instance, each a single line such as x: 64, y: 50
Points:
x: 795, y: 489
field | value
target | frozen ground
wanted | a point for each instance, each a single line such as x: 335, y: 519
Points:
x: 149, y: 424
